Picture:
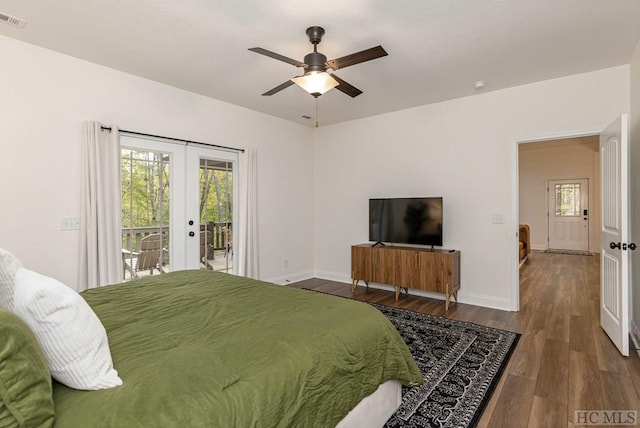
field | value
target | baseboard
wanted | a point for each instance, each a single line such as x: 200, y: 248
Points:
x: 332, y: 276
x: 463, y: 297
x: 291, y: 278
x: 522, y: 260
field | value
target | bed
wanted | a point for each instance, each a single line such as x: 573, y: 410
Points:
x: 201, y: 348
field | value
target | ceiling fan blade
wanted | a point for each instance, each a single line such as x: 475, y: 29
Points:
x: 347, y: 88
x: 357, y: 58
x: 278, y: 88
x: 277, y: 56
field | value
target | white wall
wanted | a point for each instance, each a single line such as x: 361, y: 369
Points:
x: 634, y: 125
x: 463, y: 150
x: 45, y: 98
x: 557, y: 160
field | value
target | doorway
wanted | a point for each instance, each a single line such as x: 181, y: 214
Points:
x: 558, y: 180
x: 536, y: 163
x: 178, y: 207
x: 613, y: 238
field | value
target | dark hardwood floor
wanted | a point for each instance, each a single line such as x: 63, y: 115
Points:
x: 564, y: 361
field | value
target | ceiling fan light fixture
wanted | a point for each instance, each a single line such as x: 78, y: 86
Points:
x: 316, y: 82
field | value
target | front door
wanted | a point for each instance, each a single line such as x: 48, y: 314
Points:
x: 569, y: 214
x: 614, y: 254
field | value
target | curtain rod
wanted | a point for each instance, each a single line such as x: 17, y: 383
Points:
x: 234, y: 149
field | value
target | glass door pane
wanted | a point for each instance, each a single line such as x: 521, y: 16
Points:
x: 567, y: 198
x: 216, y: 215
x: 145, y: 212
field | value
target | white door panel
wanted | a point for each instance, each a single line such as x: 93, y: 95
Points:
x: 614, y: 261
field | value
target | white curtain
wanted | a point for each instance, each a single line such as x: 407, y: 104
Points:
x: 248, y: 231
x: 100, y: 223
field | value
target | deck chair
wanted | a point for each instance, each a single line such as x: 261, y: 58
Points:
x: 147, y: 257
x: 206, y: 249
x: 227, y: 239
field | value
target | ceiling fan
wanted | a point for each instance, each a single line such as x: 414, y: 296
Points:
x: 315, y: 80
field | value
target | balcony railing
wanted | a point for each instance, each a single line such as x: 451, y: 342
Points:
x: 219, y: 238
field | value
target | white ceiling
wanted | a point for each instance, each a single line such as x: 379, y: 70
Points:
x: 437, y: 48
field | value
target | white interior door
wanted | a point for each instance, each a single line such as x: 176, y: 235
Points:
x: 569, y: 214
x: 614, y: 261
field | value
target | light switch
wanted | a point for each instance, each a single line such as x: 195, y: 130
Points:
x: 70, y: 223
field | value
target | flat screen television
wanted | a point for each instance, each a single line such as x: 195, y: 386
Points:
x: 406, y: 221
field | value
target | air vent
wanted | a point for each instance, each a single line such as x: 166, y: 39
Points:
x: 12, y: 20
x: 304, y: 116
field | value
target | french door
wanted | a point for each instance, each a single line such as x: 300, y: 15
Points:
x: 178, y: 206
x: 211, y: 184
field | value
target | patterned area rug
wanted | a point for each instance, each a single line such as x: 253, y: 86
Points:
x: 461, y: 363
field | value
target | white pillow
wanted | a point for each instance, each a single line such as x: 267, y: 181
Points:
x: 69, y: 332
x: 9, y: 264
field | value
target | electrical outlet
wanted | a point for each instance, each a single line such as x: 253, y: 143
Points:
x: 70, y: 223
x: 498, y: 218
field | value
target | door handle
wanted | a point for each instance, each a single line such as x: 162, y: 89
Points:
x: 631, y: 246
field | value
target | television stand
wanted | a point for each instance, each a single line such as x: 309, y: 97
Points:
x: 380, y: 243
x: 405, y: 267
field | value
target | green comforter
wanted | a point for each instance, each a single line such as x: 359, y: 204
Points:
x: 204, y: 349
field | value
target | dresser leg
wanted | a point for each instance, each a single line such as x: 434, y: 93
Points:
x: 397, y: 292
x: 447, y: 298
x: 354, y: 284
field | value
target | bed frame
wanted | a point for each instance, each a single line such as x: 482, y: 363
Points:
x: 376, y: 409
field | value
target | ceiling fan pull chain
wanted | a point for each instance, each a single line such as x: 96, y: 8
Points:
x: 316, y: 112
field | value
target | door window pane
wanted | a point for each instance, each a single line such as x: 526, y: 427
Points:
x: 145, y: 212
x: 216, y: 213
x: 567, y: 200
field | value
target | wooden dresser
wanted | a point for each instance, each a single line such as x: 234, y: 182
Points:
x: 407, y: 267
